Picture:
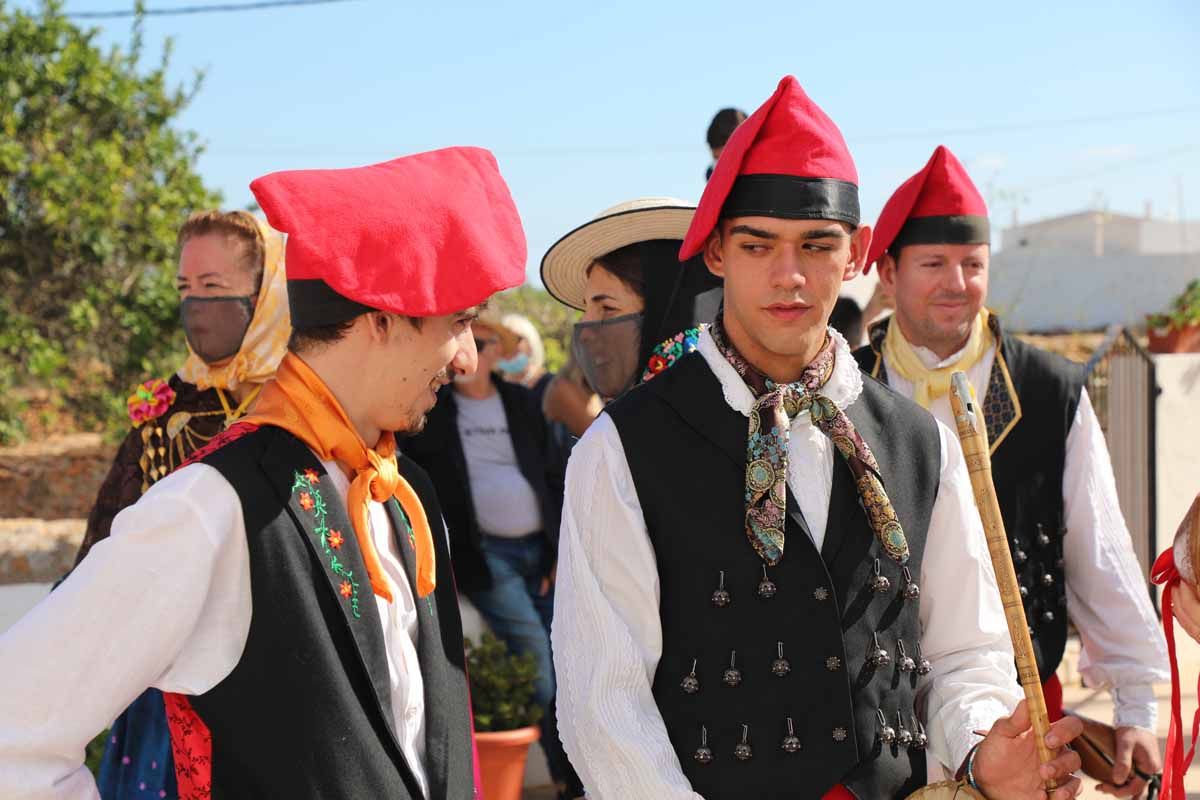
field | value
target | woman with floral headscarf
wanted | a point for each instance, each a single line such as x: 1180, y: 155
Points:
x: 234, y: 312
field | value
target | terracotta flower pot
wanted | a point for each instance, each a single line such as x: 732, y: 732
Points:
x: 1175, y: 340
x: 502, y: 756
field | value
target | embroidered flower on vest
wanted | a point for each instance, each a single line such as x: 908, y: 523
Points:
x: 667, y: 353
x: 306, y: 484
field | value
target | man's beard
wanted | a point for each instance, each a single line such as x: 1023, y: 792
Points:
x: 412, y: 427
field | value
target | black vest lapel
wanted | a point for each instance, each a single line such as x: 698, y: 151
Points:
x: 320, y: 515
x: 705, y: 409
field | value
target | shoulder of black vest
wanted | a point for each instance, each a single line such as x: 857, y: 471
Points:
x: 1040, y: 376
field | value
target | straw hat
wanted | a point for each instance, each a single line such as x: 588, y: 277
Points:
x: 564, y: 267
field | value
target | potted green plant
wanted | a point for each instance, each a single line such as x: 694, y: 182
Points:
x: 1177, y: 330
x: 506, y: 717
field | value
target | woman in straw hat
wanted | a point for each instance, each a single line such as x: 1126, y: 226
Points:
x: 640, y: 306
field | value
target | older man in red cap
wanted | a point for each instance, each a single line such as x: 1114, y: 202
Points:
x: 290, y: 591
x: 1071, y: 549
x: 778, y: 624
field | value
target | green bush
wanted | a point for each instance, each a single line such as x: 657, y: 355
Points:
x: 1184, y: 311
x: 502, y: 686
x: 94, y: 182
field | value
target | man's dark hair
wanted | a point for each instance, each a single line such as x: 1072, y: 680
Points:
x: 308, y: 339
x: 847, y: 319
x: 723, y: 125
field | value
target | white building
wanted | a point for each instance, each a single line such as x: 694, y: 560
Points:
x: 1089, y: 270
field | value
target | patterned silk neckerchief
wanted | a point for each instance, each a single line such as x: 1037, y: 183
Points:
x: 774, y: 408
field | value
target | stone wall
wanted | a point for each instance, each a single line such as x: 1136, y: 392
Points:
x: 38, y: 551
x: 53, y: 479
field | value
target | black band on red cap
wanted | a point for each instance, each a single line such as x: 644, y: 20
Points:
x: 790, y: 197
x: 950, y: 229
x: 314, y: 304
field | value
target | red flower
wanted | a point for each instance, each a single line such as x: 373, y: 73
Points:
x: 311, y: 476
x: 306, y: 501
x: 335, y: 539
x: 346, y: 589
x: 149, y: 401
x: 657, y: 364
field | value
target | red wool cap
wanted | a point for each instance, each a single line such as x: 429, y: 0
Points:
x: 424, y: 235
x: 938, y: 205
x: 788, y: 160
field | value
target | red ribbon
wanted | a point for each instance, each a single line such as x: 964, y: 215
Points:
x: 1176, y: 763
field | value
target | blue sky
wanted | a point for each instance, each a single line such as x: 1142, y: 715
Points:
x: 588, y: 104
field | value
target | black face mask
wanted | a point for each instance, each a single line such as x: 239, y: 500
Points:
x: 607, y: 351
x: 216, y: 326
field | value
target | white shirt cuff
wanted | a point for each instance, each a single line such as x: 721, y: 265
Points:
x: 1135, y: 707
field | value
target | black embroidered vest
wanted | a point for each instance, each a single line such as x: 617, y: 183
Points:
x: 686, y: 450
x: 307, y: 713
x: 1027, y: 428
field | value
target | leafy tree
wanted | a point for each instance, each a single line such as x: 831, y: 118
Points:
x: 95, y: 179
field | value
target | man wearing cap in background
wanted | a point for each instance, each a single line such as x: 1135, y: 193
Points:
x: 759, y: 634
x: 488, y: 452
x: 314, y: 647
x: 1070, y: 546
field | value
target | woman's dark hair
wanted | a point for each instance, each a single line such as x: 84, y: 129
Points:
x: 628, y: 264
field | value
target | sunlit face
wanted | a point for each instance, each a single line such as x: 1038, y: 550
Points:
x: 213, y: 265
x: 782, y: 279
x: 939, y: 290
x: 408, y: 365
x: 607, y: 296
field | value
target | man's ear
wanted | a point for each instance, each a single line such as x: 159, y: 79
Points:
x: 887, y: 272
x: 860, y: 244
x: 714, y: 258
x: 381, y: 325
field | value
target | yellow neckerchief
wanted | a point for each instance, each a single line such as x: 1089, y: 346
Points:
x: 930, y: 384
x: 266, y: 337
x: 298, y: 401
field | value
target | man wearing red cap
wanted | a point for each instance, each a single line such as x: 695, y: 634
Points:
x: 1071, y: 549
x: 778, y: 624
x: 290, y: 590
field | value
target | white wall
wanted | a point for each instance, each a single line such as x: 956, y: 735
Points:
x: 1042, y: 290
x: 1178, y: 440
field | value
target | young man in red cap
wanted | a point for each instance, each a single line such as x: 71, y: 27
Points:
x: 291, y: 590
x: 1071, y: 549
x: 777, y: 624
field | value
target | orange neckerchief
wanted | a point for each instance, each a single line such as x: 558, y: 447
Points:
x: 298, y: 401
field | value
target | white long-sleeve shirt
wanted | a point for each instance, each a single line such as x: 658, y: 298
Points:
x: 607, y: 638
x: 165, y: 602
x: 1123, y: 646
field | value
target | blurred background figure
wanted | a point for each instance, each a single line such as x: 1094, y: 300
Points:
x: 847, y: 319
x: 488, y: 451
x: 235, y: 316
x: 719, y: 130
x: 527, y: 366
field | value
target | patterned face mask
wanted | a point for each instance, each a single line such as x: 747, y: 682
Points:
x: 607, y: 351
x: 216, y: 326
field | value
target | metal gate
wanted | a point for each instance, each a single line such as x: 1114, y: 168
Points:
x: 1122, y: 386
